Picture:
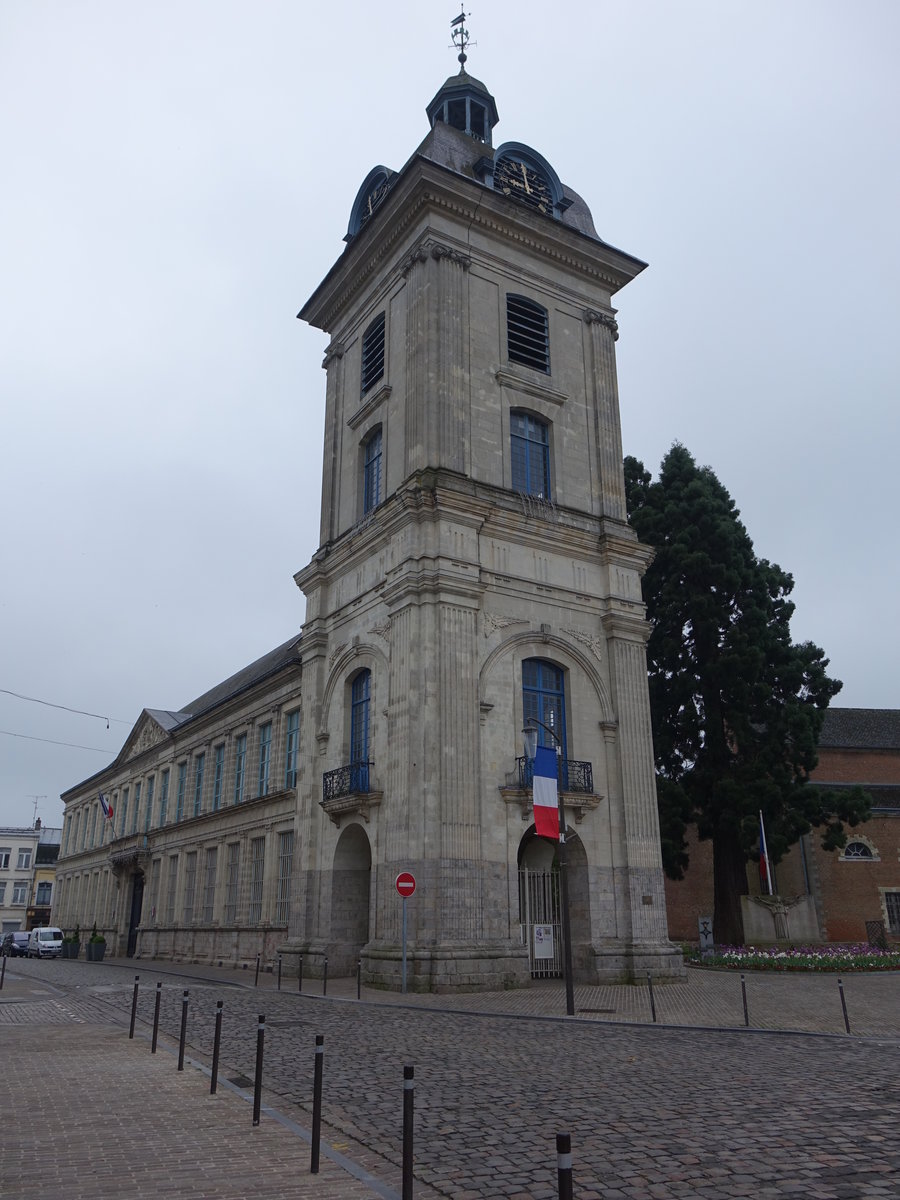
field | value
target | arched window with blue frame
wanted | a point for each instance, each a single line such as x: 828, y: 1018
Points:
x: 372, y: 471
x: 529, y: 454
x: 360, y: 699
x: 544, y: 701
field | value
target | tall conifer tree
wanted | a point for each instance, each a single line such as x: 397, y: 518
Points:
x: 737, y: 707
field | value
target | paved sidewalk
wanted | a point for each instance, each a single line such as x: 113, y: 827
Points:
x: 89, y: 1114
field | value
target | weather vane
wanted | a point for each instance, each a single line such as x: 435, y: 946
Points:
x: 461, y: 37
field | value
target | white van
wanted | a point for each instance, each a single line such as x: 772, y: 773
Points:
x: 45, y: 943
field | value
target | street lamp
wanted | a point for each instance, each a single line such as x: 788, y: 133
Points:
x: 530, y: 736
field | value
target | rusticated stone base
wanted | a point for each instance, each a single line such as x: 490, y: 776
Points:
x: 451, y: 967
x: 632, y: 964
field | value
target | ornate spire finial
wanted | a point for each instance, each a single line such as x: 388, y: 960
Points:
x: 461, y: 38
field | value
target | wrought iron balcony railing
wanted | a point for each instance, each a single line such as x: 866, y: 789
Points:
x: 574, y: 775
x: 351, y: 780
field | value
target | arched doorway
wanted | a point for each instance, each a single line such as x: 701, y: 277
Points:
x: 539, y: 905
x: 350, y: 898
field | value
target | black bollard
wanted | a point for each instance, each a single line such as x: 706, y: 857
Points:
x: 133, y: 1007
x: 279, y: 972
x: 844, y: 1006
x: 744, y: 998
x: 217, y: 1041
x: 564, y: 1165
x: 408, y: 1095
x: 257, y: 1083
x: 300, y: 973
x: 156, y: 1018
x: 325, y: 977
x: 256, y: 980
x: 359, y: 979
x: 652, y: 1001
x: 2, y: 972
x: 183, y: 1038
x: 317, y: 1106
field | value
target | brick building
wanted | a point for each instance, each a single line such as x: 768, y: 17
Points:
x: 849, y: 887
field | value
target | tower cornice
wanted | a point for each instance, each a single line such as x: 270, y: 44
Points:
x: 425, y: 187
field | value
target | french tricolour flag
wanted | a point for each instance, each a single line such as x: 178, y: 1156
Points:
x: 546, y: 798
x: 106, y: 806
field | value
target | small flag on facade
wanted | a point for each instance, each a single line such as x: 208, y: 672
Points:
x: 765, y: 870
x: 106, y: 806
x: 545, y: 794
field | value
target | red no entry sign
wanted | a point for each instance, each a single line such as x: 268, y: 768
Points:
x: 405, y: 883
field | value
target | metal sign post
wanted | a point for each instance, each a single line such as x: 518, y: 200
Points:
x: 405, y: 883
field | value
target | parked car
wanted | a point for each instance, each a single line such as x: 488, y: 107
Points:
x: 45, y: 942
x: 14, y: 944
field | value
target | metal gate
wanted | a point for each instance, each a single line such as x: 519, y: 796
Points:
x: 539, y: 921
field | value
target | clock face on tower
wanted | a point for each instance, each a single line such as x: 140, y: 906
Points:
x: 373, y: 198
x: 524, y: 182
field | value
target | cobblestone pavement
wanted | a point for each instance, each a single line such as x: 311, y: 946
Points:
x: 655, y: 1112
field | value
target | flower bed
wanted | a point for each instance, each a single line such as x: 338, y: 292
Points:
x: 800, y: 958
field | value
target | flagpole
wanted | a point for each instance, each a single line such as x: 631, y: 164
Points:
x: 762, y: 833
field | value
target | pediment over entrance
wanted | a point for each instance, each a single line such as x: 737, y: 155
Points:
x: 152, y: 728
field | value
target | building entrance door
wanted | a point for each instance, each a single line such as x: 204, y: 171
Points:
x: 539, y: 921
x: 137, y: 903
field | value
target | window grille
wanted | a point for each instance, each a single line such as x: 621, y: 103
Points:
x: 857, y: 850
x: 892, y: 904
x: 527, y: 333
x: 190, y: 885
x: 154, y: 890
x: 232, y: 881
x: 209, y: 884
x: 170, y: 889
x: 373, y: 354
x: 285, y: 864
x: 257, y: 875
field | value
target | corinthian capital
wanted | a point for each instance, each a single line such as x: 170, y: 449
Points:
x: 607, y: 320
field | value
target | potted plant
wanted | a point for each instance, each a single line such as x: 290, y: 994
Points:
x: 72, y: 944
x: 96, y: 946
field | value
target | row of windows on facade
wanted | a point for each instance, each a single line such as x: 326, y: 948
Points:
x: 183, y: 888
x: 134, y: 809
x: 43, y: 892
x: 24, y: 858
x: 528, y: 343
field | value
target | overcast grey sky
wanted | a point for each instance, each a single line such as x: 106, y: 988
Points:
x: 177, y: 178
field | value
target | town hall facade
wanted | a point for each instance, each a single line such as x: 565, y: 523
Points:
x: 475, y: 573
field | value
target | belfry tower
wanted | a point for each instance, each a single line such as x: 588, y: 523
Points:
x: 475, y: 569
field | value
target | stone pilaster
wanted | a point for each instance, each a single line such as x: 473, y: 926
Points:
x: 333, y: 364
x: 602, y: 333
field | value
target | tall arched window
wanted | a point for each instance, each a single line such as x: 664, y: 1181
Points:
x: 544, y: 699
x: 360, y: 698
x: 372, y: 471
x: 530, y: 455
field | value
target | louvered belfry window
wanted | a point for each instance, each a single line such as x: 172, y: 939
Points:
x: 527, y: 333
x: 373, y: 354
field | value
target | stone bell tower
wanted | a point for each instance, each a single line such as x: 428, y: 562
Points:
x: 475, y: 568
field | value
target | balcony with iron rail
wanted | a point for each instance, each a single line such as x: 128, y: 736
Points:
x: 575, y: 781
x: 349, y: 789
